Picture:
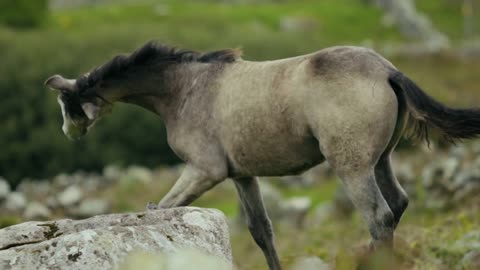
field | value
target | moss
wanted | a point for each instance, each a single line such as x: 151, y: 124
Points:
x: 52, y: 230
x: 8, y: 220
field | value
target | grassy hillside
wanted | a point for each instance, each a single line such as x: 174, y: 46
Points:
x: 72, y: 41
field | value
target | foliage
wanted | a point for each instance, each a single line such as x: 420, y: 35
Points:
x: 73, y: 41
x: 23, y: 13
x: 31, y: 137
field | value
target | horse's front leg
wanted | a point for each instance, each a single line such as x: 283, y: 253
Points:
x: 257, y: 219
x: 192, y: 184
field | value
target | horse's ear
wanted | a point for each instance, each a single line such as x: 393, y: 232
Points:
x: 91, y: 110
x: 57, y: 82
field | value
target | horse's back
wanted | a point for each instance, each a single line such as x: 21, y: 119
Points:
x: 274, y: 117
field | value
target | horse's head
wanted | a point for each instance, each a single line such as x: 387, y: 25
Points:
x: 81, y: 106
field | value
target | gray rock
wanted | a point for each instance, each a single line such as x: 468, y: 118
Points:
x: 471, y: 261
x: 103, y: 242
x: 310, y: 263
x: 4, y: 188
x: 413, y: 24
x: 36, y: 210
x: 70, y: 196
x: 91, y: 207
x: 15, y: 201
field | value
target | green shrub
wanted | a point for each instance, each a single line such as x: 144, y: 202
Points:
x: 31, y: 141
x: 23, y: 13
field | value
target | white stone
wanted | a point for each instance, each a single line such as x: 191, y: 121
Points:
x: 15, y: 201
x: 70, y: 196
x: 138, y: 173
x: 310, y: 263
x: 91, y: 207
x: 36, y: 210
x: 181, y: 260
x: 4, y: 188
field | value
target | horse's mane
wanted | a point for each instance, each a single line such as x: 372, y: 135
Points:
x: 154, y: 53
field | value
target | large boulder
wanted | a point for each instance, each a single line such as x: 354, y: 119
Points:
x: 103, y: 242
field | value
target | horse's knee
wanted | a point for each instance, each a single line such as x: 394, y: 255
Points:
x: 261, y: 231
x: 382, y: 227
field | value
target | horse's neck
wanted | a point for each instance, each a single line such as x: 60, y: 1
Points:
x: 164, y: 93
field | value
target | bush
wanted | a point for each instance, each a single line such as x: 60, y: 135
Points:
x: 23, y: 13
x: 31, y: 141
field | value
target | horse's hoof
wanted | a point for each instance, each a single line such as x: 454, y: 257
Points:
x: 152, y: 206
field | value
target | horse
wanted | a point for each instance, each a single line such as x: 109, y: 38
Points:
x: 231, y: 118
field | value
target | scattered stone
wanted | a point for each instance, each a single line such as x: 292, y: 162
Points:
x: 314, y: 175
x: 322, y: 213
x: 137, y: 173
x: 180, y: 260
x: 471, y: 261
x: 272, y: 198
x: 15, y: 202
x: 70, y: 196
x: 4, y: 188
x: 297, y: 24
x: 91, y: 207
x: 36, y: 211
x: 34, y: 189
x: 413, y: 24
x: 112, y: 173
x: 295, y: 210
x: 52, y: 202
x: 310, y: 263
x: 61, y: 181
x: 103, y: 242
x: 342, y: 203
x: 291, y: 212
x: 470, y: 241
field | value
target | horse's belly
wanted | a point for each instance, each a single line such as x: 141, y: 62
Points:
x: 274, y: 158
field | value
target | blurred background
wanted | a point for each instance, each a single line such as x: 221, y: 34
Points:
x: 125, y: 161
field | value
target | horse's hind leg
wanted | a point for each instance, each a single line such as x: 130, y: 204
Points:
x: 361, y: 187
x: 392, y: 191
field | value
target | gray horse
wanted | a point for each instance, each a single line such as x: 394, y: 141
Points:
x: 231, y: 118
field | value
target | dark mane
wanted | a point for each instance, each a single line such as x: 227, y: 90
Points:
x: 154, y: 53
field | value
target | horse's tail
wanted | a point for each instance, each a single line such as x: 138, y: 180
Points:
x: 454, y: 124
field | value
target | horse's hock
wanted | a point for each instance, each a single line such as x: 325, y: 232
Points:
x: 104, y: 242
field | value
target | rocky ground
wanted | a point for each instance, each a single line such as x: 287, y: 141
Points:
x: 314, y: 221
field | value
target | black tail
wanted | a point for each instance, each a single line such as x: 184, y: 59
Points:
x: 455, y: 124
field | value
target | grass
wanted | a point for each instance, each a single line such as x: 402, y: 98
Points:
x: 426, y: 238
